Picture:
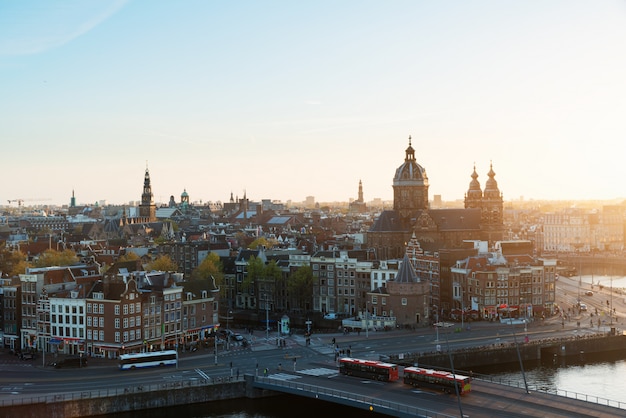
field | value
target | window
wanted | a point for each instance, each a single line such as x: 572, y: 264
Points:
x: 117, y: 323
x: 404, y: 303
x: 117, y: 309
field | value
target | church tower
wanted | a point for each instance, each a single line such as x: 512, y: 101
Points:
x: 147, y: 208
x: 474, y: 195
x: 410, y: 186
x: 492, y: 217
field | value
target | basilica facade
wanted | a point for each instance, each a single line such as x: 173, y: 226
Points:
x: 435, y: 229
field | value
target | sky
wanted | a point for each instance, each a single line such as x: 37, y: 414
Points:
x: 284, y: 99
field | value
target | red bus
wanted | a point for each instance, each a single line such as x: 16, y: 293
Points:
x: 439, y: 379
x: 369, y: 369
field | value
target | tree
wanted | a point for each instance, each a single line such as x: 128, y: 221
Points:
x: 163, y: 263
x: 256, y: 272
x: 12, y: 262
x: 56, y: 258
x: 300, y: 287
x: 211, y: 266
x: 262, y: 242
x: 128, y: 256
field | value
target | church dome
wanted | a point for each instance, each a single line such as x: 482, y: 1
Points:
x: 410, y: 172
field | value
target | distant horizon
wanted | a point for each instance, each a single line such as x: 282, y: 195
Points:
x: 193, y: 202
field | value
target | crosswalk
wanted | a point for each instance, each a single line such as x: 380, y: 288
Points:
x: 318, y: 371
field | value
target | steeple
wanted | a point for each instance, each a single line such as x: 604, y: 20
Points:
x: 474, y: 194
x: 147, y: 208
x: 491, y: 187
x: 360, y: 199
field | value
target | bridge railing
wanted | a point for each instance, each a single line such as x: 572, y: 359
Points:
x: 112, y: 392
x: 565, y: 393
x: 347, y: 398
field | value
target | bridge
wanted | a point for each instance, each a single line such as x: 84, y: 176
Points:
x: 396, y: 399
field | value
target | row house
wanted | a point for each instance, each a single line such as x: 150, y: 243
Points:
x: 36, y: 285
x: 491, y: 287
x: 200, y: 314
x: 382, y: 272
x: 122, y: 312
x: 11, y: 315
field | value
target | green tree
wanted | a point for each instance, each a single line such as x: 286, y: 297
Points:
x: 163, y: 263
x: 256, y: 272
x: 211, y: 266
x: 300, y: 287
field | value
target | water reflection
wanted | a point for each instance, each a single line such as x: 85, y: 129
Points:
x: 598, y: 376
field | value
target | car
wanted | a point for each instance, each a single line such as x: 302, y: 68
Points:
x: 236, y: 337
x: 582, y: 307
x: 589, y: 293
x: 330, y: 316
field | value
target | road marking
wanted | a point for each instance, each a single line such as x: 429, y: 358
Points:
x: 284, y: 376
x: 319, y: 371
x: 203, y: 375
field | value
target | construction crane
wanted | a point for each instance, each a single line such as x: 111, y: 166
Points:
x: 20, y: 201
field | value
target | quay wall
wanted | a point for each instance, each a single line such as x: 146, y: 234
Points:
x: 94, y: 403
x: 467, y: 359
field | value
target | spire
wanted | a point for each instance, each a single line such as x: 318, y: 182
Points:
x: 491, y: 186
x: 410, y: 152
x: 474, y: 191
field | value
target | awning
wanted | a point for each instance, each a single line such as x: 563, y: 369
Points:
x: 55, y: 341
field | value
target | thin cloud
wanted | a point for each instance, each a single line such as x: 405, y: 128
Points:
x: 27, y: 30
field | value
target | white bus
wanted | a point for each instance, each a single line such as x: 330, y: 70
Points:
x: 151, y: 359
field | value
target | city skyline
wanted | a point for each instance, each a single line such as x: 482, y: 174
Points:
x: 284, y: 100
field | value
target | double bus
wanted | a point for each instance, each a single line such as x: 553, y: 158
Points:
x: 369, y: 369
x: 439, y: 379
x: 150, y: 359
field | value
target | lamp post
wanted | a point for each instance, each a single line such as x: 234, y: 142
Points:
x: 228, y: 331
x: 437, y: 322
x: 215, y: 343
x: 367, y: 312
x: 267, y: 319
x: 462, y: 308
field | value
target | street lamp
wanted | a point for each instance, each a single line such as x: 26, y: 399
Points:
x: 437, y: 322
x: 367, y: 312
x: 228, y: 331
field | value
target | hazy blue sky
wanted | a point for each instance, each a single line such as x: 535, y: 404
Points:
x: 288, y: 99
